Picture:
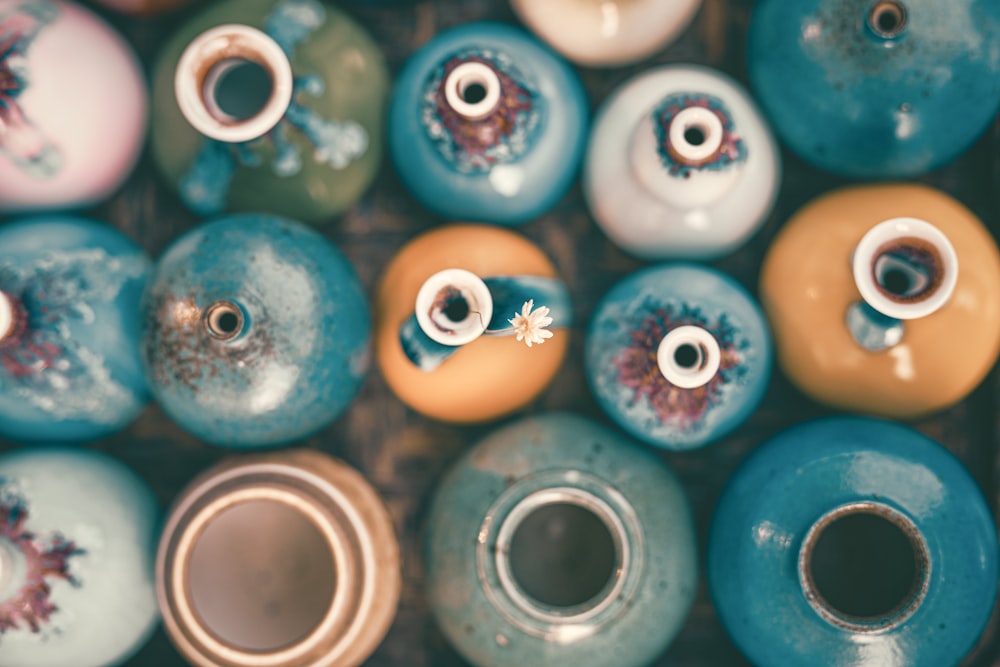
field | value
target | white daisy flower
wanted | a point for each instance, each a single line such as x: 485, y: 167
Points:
x: 530, y: 326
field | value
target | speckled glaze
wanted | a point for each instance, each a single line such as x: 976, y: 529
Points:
x: 627, y: 331
x: 70, y: 368
x: 507, y: 163
x: 772, y: 502
x: 810, y: 295
x: 77, y: 538
x: 320, y: 156
x: 73, y: 106
x: 655, y: 193
x: 564, y: 459
x: 298, y: 347
x: 859, y: 101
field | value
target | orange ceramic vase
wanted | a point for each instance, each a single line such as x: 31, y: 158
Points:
x: 469, y: 278
x: 884, y: 299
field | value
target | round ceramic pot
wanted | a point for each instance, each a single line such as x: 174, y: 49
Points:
x: 142, y: 7
x: 270, y: 105
x: 77, y: 540
x: 876, y: 88
x: 70, y: 292
x: 470, y: 323
x: 557, y: 542
x: 607, y: 34
x: 853, y: 543
x: 865, y: 286
x: 680, y: 164
x: 278, y: 560
x: 678, y: 355
x: 73, y: 106
x: 256, y: 331
x: 487, y: 125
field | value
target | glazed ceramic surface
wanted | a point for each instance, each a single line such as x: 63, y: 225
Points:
x: 877, y: 88
x: 487, y: 125
x: 72, y: 106
x: 607, y: 33
x: 680, y: 164
x: 77, y: 535
x: 489, y: 376
x: 764, y: 566
x: 839, y: 350
x: 69, y: 361
x: 324, y: 146
x: 678, y: 355
x: 557, y: 542
x: 256, y: 331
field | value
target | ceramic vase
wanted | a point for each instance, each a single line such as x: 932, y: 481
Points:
x: 884, y: 299
x: 270, y: 106
x: 256, y: 331
x: 73, y: 106
x: 285, y: 560
x: 557, y: 542
x: 70, y: 291
x: 487, y: 125
x: 77, y: 541
x: 452, y: 310
x: 680, y: 164
x: 678, y: 355
x: 876, y: 88
x: 853, y: 542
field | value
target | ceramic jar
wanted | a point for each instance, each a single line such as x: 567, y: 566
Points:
x: 256, y: 331
x: 603, y: 34
x: 487, y: 125
x: 470, y: 323
x: 884, y: 300
x: 678, y: 355
x: 876, y: 88
x: 680, y: 164
x: 278, y: 560
x: 270, y: 105
x: 77, y: 540
x: 557, y: 542
x: 73, y: 106
x: 70, y: 291
x: 853, y: 543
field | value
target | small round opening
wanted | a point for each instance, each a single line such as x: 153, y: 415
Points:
x: 239, y: 89
x: 456, y: 309
x: 695, y: 135
x: 687, y: 355
x: 474, y: 92
x: 562, y: 555
x: 896, y: 281
x: 224, y: 320
x: 907, y: 270
x: 887, y: 18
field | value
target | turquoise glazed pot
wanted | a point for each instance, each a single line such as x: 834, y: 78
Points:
x: 853, y: 542
x: 678, y: 355
x: 486, y: 124
x: 877, y: 88
x: 256, y: 332
x: 69, y: 329
x: 557, y: 542
x: 78, y: 536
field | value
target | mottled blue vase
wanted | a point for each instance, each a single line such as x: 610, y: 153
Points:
x: 69, y: 329
x: 853, y: 542
x: 558, y: 542
x: 678, y: 355
x: 256, y: 332
x: 78, y: 536
x: 877, y: 88
x: 486, y: 124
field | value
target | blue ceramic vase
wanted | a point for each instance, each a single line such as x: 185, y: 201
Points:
x: 486, y: 124
x: 853, y: 542
x: 557, y: 542
x: 256, y: 331
x: 78, y: 536
x: 70, y: 290
x: 876, y: 88
x: 678, y: 355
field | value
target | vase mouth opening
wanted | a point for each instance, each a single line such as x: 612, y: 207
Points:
x: 225, y: 320
x: 887, y: 18
x: 454, y: 307
x: 472, y: 90
x: 865, y: 567
x: 689, y: 357
x: 233, y: 83
x: 695, y: 135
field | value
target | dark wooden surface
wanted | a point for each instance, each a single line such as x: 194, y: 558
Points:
x: 404, y: 454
